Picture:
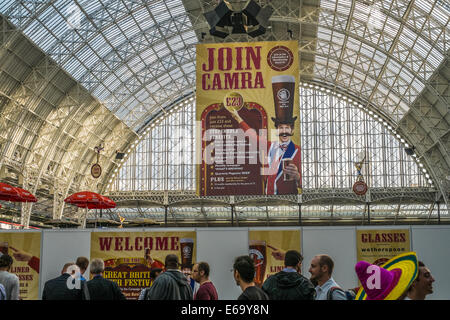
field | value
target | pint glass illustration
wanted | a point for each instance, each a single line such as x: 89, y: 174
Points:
x: 187, y: 247
x: 257, y: 251
x: 283, y: 88
x: 287, y: 162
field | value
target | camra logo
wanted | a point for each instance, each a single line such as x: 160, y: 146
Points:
x: 186, y: 250
x: 283, y: 94
x: 258, y: 255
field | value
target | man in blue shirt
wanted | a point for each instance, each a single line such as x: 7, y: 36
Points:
x: 321, y: 269
x: 82, y: 263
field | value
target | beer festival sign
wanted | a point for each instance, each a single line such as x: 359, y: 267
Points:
x: 130, y: 256
x: 249, y: 119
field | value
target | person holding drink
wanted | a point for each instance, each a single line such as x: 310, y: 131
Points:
x: 283, y: 156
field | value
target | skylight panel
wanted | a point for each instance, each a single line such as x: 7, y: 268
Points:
x: 328, y: 4
x: 442, y: 13
x: 157, y: 8
x: 343, y: 6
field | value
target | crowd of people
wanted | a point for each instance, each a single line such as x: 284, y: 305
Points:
x: 396, y: 280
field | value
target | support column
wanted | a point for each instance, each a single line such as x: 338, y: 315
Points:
x: 439, y: 212
x: 58, y: 201
x: 299, y: 214
x: 299, y: 203
x: 26, y: 207
x: 166, y: 207
x: 232, y: 210
x: 82, y: 214
x: 26, y: 214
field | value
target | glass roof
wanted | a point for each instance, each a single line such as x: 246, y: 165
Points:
x: 387, y: 49
x: 134, y: 56
x: 139, y: 56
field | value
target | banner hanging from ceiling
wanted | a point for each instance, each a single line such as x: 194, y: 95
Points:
x: 248, y: 119
x: 25, y: 249
x: 130, y: 256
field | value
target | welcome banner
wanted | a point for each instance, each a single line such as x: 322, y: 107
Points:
x: 267, y: 248
x: 378, y: 246
x: 25, y: 249
x: 130, y: 256
x: 248, y: 111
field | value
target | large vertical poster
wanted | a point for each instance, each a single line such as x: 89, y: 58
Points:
x: 247, y: 108
x: 378, y: 246
x: 130, y: 256
x: 267, y: 248
x: 25, y: 249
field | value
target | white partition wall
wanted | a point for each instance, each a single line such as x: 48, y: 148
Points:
x: 219, y: 247
x: 340, y: 244
x: 432, y: 245
x: 60, y: 247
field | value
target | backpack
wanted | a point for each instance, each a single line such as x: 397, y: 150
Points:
x: 348, y: 293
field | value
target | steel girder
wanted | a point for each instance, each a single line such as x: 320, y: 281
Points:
x: 50, y: 142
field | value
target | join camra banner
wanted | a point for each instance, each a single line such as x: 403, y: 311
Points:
x: 248, y: 118
x: 267, y: 249
x: 130, y: 256
x: 378, y: 246
x: 25, y: 249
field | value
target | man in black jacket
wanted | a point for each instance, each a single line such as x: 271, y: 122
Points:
x: 289, y: 284
x: 172, y: 284
x: 63, y: 288
x: 101, y: 288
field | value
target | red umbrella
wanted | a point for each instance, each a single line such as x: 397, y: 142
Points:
x: 105, y: 203
x: 9, y: 193
x: 108, y: 202
x: 83, y: 198
x: 25, y: 195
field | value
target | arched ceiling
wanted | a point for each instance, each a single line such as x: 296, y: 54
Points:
x: 137, y: 58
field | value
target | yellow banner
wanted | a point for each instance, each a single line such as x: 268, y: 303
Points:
x: 25, y: 249
x: 247, y: 107
x: 130, y: 256
x: 267, y: 248
x: 378, y: 246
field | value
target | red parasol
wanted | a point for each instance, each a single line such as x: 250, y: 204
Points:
x: 105, y: 203
x: 108, y: 202
x: 25, y: 195
x: 83, y: 198
x: 9, y: 193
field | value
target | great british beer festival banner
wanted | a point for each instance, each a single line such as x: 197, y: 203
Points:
x: 243, y: 90
x: 130, y: 256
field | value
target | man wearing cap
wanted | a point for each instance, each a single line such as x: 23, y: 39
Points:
x: 321, y: 269
x: 422, y: 285
x: 278, y: 151
x: 290, y: 284
x: 172, y: 284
